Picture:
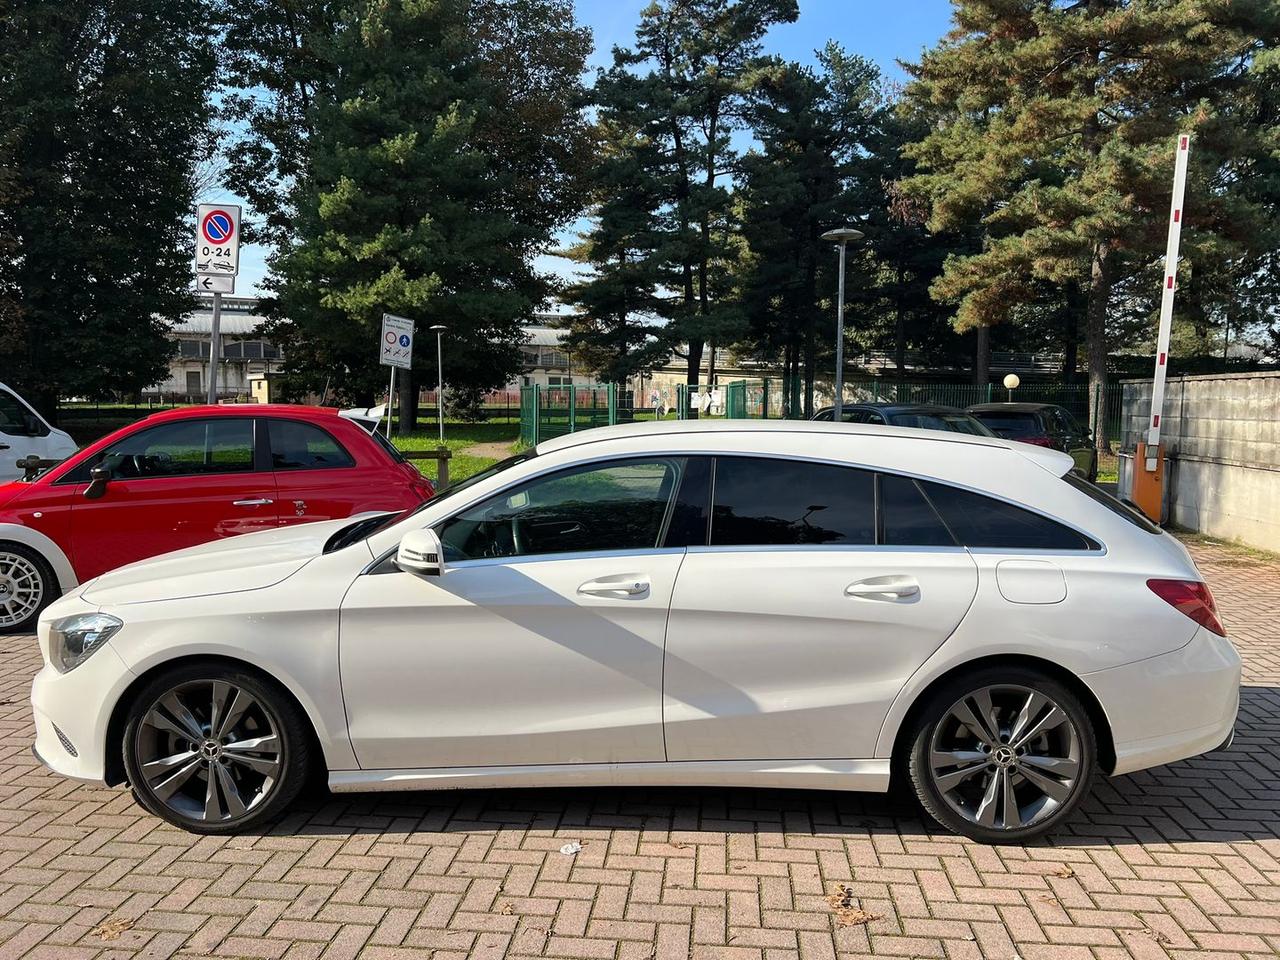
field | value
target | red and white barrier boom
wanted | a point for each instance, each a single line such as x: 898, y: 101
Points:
x: 1148, y: 474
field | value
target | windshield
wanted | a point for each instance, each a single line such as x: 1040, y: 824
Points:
x: 364, y: 529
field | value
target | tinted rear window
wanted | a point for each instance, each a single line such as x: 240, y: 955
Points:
x: 906, y: 517
x: 954, y: 422
x: 1012, y: 424
x: 1118, y: 507
x: 391, y: 449
x: 978, y: 521
x: 301, y: 446
x: 765, y: 501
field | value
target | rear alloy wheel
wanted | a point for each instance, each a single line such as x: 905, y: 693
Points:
x: 1003, y: 756
x: 26, y: 587
x: 215, y: 751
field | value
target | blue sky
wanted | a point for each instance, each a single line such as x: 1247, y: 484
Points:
x: 882, y: 31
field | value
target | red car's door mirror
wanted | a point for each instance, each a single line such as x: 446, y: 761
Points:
x: 98, y: 478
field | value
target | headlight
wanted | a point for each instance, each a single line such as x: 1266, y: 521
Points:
x: 75, y: 638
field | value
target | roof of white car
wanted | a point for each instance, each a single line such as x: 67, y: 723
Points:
x: 651, y: 428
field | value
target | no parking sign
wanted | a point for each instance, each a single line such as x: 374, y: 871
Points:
x: 218, y: 239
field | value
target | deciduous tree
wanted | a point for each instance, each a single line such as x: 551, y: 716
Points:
x: 104, y: 114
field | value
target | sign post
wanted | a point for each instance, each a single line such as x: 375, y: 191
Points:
x: 217, y: 263
x: 1148, y: 473
x: 395, y: 350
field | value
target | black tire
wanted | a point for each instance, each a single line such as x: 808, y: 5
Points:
x: 273, y: 711
x: 48, y: 585
x: 960, y: 813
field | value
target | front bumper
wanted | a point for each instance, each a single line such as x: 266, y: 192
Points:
x: 78, y: 706
x: 1171, y: 707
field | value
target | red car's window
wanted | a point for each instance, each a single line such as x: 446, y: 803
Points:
x: 184, y: 448
x: 301, y: 446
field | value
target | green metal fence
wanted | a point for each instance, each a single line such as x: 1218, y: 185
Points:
x: 547, y: 412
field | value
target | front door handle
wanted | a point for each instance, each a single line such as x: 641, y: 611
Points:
x: 625, y: 585
x: 261, y: 502
x: 896, y: 586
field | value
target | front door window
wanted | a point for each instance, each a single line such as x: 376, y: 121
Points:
x: 619, y: 505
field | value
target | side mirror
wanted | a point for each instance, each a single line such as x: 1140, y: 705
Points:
x: 421, y: 553
x: 98, y: 478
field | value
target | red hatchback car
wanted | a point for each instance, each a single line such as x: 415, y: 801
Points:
x: 184, y: 477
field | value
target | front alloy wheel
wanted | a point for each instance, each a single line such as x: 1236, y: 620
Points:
x: 214, y: 751
x: 26, y: 588
x: 1004, y: 756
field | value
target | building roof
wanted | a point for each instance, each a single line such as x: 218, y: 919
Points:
x: 229, y: 324
x: 239, y: 318
x: 539, y: 336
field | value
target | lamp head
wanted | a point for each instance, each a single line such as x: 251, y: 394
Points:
x: 842, y: 235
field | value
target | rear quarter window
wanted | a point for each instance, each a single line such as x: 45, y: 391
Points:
x: 1121, y: 509
x: 980, y: 521
x: 302, y: 446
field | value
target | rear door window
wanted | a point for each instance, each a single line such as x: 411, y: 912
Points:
x: 760, y: 501
x: 907, y: 519
x: 980, y: 521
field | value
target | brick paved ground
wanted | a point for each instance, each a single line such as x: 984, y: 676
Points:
x: 1180, y: 862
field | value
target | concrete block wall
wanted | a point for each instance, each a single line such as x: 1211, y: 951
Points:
x: 1222, y: 434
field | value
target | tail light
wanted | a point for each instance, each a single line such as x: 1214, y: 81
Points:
x: 1192, y: 598
x: 1037, y: 441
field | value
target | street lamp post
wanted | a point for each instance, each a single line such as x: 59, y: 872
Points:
x: 1011, y: 383
x: 841, y: 236
x: 439, y: 329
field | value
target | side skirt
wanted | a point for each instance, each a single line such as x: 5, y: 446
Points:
x: 871, y: 776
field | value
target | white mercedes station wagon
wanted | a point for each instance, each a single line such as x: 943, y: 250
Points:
x: 781, y: 604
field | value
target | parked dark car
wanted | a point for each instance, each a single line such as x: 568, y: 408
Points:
x: 1044, y: 424
x: 924, y: 416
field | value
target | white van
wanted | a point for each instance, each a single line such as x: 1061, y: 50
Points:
x: 24, y: 432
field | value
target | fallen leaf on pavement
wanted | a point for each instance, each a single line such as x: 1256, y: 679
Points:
x: 848, y: 915
x: 1064, y: 872
x: 111, y: 929
x: 1157, y: 936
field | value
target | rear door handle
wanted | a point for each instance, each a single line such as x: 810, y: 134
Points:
x: 625, y: 585
x: 895, y: 586
x: 262, y: 502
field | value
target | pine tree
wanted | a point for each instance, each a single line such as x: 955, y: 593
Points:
x: 1055, y: 130
x: 443, y: 150
x: 685, y: 84
x: 103, y: 108
x: 617, y: 330
x: 812, y: 124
